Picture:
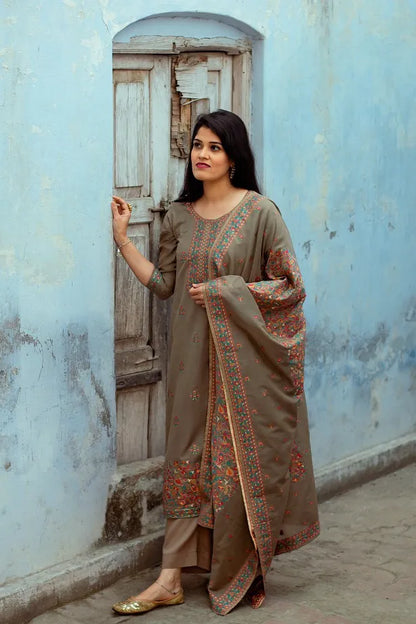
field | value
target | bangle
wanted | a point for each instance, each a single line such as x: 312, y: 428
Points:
x: 124, y: 244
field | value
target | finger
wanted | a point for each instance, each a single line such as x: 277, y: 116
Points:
x: 123, y: 206
x: 196, y: 291
x: 118, y: 200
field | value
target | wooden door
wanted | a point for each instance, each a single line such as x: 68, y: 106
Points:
x: 156, y: 100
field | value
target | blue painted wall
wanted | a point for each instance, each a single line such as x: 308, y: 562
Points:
x: 335, y: 128
x: 341, y: 132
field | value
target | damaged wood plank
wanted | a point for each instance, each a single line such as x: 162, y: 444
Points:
x: 158, y: 44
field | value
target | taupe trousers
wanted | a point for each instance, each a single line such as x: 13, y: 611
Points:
x: 187, y: 545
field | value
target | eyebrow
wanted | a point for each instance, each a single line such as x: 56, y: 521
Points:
x: 210, y: 142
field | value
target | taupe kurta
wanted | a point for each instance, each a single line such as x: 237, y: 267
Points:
x: 238, y: 452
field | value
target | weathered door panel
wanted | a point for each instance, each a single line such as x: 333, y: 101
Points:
x: 156, y: 101
x: 141, y: 104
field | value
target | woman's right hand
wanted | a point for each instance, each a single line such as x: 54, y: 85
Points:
x: 121, y: 217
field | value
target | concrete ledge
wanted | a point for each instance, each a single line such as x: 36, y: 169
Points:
x: 134, y: 506
x: 365, y: 466
x: 24, y: 599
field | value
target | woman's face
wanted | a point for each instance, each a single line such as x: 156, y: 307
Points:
x: 209, y: 160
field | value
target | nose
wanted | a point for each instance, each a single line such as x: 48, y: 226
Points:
x: 204, y: 152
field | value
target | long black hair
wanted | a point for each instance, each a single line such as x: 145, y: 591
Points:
x: 234, y: 138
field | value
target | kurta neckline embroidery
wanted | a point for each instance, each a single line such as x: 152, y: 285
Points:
x: 222, y: 217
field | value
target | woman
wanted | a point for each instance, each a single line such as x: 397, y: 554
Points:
x: 238, y: 483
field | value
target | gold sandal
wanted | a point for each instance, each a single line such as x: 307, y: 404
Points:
x: 132, y: 607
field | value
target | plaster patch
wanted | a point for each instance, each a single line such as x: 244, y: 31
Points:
x: 7, y: 261
x: 36, y: 130
x: 52, y: 265
x: 55, y: 269
x: 70, y: 3
x: 96, y: 47
x: 109, y: 18
x: 320, y: 211
x: 406, y: 134
x: 388, y: 206
x: 46, y: 183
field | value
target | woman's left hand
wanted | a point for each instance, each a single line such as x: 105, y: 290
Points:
x: 197, y: 294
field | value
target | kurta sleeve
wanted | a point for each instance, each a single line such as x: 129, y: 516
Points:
x: 162, y: 280
x: 282, y: 284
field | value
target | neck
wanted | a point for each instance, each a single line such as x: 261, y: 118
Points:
x: 216, y: 191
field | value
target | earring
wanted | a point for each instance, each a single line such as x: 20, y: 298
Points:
x: 232, y: 172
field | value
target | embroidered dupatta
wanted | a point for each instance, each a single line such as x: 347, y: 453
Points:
x: 242, y: 462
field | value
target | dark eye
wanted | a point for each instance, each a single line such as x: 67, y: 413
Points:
x: 216, y: 148
x: 196, y: 144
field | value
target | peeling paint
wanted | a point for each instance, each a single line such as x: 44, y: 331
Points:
x: 410, y: 315
x: 104, y: 412
x: 307, y: 248
x: 76, y: 353
x: 361, y: 359
x: 8, y: 445
x: 366, y: 349
x: 320, y: 13
x: 81, y: 379
x: 12, y: 339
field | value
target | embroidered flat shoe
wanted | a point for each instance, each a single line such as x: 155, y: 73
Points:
x: 132, y: 607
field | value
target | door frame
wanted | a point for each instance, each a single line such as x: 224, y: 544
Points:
x: 124, y: 55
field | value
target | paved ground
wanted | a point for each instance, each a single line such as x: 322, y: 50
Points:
x: 362, y: 570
